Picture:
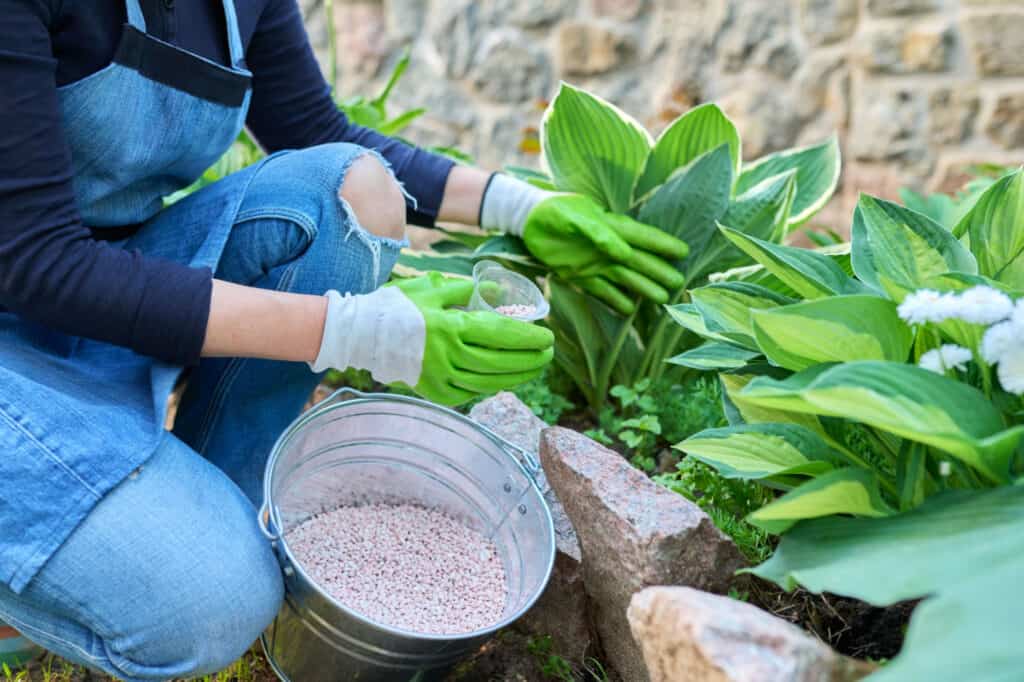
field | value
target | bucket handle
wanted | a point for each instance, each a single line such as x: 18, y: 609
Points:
x: 263, y: 519
x: 527, y: 459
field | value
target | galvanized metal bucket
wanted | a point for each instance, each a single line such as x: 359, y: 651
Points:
x: 357, y: 448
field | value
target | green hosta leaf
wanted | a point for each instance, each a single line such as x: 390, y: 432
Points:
x: 817, y: 169
x: 904, y: 400
x: 592, y: 148
x: 714, y: 356
x: 688, y: 317
x: 751, y: 413
x: 696, y: 132
x: 412, y: 263
x: 725, y: 309
x: 837, y: 329
x: 810, y: 274
x: 963, y: 551
x: 760, y: 212
x: 939, y: 207
x: 762, y: 451
x: 896, y: 250
x: 994, y: 228
x: 843, y: 491
x: 690, y: 203
x: 584, y: 329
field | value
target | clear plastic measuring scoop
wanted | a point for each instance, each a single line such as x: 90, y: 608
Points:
x: 508, y: 293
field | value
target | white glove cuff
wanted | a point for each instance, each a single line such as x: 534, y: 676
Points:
x: 383, y: 332
x: 507, y: 202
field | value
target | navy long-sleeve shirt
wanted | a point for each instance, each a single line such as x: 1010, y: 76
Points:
x: 52, y: 270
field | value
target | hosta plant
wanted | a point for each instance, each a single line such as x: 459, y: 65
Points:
x: 879, y: 390
x: 685, y: 182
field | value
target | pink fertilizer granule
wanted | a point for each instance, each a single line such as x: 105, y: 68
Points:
x: 406, y: 566
x: 517, y: 310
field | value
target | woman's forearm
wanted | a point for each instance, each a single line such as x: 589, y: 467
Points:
x: 248, y: 322
x: 463, y: 194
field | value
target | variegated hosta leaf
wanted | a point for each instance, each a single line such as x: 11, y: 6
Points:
x: 725, y: 309
x: 809, y: 273
x: 834, y: 329
x: 817, y: 169
x: 904, y: 400
x: 962, y: 551
x: 994, y: 228
x: 714, y: 356
x: 696, y: 132
x: 843, y: 491
x: 896, y: 250
x: 762, y: 451
x: 593, y: 148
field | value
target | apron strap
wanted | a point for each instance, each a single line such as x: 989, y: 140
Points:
x: 135, y: 17
x: 234, y: 38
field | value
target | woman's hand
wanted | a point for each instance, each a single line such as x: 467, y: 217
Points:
x: 611, y: 256
x: 409, y: 333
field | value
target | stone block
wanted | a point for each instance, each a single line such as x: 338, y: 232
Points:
x: 633, y: 534
x: 951, y: 114
x: 996, y: 42
x: 1006, y: 124
x: 828, y: 21
x: 906, y: 49
x: 510, y: 69
x: 690, y: 635
x: 586, y: 49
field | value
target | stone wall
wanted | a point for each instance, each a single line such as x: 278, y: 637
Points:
x: 918, y: 89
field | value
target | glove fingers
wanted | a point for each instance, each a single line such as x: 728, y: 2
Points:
x: 606, y: 240
x: 455, y: 291
x: 491, y: 383
x: 650, y: 238
x: 656, y: 269
x: 490, y: 330
x: 637, y: 283
x: 603, y: 290
x: 487, y: 361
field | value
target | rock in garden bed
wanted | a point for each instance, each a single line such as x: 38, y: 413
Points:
x: 690, y: 635
x: 633, y: 534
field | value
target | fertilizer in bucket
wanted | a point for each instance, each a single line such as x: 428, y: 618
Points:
x: 404, y: 565
x: 408, y: 535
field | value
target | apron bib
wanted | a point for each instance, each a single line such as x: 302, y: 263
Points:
x: 77, y: 416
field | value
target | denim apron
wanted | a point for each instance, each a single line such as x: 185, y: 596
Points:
x: 78, y: 416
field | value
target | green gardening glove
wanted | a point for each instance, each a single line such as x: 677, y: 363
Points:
x: 410, y: 334
x: 467, y: 354
x: 611, y: 256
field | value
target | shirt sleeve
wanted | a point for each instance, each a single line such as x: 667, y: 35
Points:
x: 292, y: 109
x: 51, y: 269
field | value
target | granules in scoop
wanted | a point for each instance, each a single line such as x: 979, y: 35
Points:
x: 406, y: 566
x: 517, y: 310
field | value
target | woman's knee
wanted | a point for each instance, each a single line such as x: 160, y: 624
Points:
x: 375, y: 197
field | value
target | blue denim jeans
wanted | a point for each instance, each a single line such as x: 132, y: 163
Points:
x: 169, y: 575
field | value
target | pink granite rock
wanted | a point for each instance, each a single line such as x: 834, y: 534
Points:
x: 686, y: 634
x: 633, y: 534
x: 561, y: 612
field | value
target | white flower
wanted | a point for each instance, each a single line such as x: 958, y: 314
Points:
x: 998, y: 341
x: 949, y: 356
x: 926, y: 305
x: 984, y: 305
x: 1018, y: 316
x: 1011, y: 370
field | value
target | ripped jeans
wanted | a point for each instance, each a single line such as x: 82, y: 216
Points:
x: 169, y: 575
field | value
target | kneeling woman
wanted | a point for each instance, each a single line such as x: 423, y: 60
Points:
x: 134, y: 550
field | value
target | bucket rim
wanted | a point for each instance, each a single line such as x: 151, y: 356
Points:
x: 269, y: 519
